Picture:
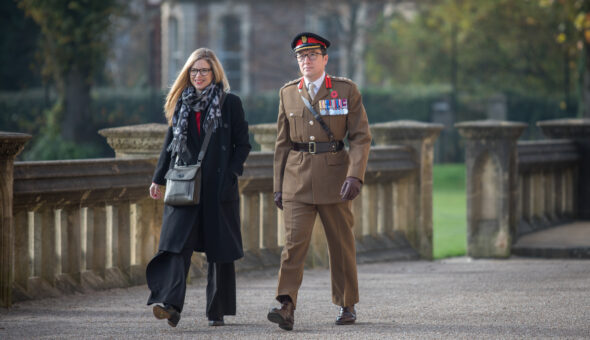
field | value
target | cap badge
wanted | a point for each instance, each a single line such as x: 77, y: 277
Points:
x: 304, y: 39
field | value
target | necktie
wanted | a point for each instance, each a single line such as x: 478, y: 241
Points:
x: 311, y: 90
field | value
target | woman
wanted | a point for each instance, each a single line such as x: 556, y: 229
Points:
x: 198, y: 102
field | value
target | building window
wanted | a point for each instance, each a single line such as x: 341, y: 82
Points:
x: 174, y: 59
x: 231, y: 52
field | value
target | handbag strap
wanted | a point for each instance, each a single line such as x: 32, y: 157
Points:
x: 318, y: 118
x: 204, y: 146
x: 208, y: 135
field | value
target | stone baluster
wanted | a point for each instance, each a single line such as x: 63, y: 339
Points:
x: 11, y: 144
x: 99, y: 240
x: 492, y: 184
x: 250, y: 216
x: 22, y: 259
x: 420, y: 137
x: 272, y: 223
x: 123, y: 216
x: 577, y: 130
x: 71, y: 217
x: 49, y: 257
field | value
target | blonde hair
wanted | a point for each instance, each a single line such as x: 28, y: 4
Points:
x: 183, y: 79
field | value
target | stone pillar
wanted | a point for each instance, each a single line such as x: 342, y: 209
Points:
x: 579, y: 131
x: 11, y: 144
x: 136, y: 141
x: 492, y: 185
x: 420, y: 137
x: 265, y: 135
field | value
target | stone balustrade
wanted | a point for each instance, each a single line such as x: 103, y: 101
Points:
x: 82, y: 224
x: 547, y: 177
x: 89, y: 224
x: 514, y: 188
x: 578, y: 131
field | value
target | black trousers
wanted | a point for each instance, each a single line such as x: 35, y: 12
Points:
x: 166, y: 276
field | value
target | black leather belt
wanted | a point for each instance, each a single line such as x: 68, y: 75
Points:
x: 319, y: 147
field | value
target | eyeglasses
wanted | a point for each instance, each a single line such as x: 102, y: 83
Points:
x: 312, y: 56
x: 203, y: 71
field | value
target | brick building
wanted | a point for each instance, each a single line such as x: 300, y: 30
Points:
x: 252, y: 37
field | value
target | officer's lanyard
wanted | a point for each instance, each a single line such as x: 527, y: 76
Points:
x: 313, y: 111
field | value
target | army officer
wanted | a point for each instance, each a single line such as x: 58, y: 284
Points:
x: 314, y: 173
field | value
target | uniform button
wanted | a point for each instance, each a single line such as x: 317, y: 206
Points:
x: 311, y: 138
x: 223, y: 147
x: 218, y: 170
x: 291, y: 114
x: 311, y: 122
x: 225, y: 125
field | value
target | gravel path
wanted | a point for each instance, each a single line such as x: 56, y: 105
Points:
x: 450, y: 299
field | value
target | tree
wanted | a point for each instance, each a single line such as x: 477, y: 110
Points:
x: 474, y: 46
x: 75, y: 42
x: 18, y: 41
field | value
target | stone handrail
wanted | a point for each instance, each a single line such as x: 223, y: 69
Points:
x: 514, y: 188
x: 80, y: 225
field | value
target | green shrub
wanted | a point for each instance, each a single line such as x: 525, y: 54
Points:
x: 530, y: 109
x: 408, y: 102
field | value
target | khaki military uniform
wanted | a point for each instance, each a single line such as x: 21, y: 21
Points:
x: 311, y: 183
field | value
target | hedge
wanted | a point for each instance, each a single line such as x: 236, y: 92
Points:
x: 24, y: 111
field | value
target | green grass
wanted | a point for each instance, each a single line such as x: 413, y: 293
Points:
x: 449, y: 210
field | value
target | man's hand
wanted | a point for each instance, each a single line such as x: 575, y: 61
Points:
x: 155, y: 192
x: 279, y: 199
x: 351, y: 188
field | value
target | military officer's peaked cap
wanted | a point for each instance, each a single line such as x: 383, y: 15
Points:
x: 306, y: 41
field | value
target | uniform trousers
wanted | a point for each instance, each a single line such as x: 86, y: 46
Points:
x: 338, y: 222
x: 166, y: 278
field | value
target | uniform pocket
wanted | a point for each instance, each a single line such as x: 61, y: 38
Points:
x: 295, y: 117
x: 337, y: 124
x: 295, y: 157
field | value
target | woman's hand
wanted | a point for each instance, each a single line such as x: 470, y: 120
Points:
x: 155, y: 192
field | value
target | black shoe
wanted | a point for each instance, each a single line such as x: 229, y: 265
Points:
x: 216, y: 322
x: 167, y: 312
x: 347, y: 316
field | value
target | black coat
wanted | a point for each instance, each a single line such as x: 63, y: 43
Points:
x: 219, y: 222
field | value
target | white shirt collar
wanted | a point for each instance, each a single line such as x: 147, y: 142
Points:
x: 317, y: 83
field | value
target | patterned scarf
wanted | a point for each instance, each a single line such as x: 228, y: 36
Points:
x: 189, y: 102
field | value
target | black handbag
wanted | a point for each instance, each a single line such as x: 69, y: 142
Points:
x: 183, y: 182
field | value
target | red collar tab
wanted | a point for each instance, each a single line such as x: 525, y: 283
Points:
x: 300, y: 84
x: 328, y: 82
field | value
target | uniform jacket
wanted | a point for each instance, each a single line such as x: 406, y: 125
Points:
x: 219, y: 224
x: 318, y: 178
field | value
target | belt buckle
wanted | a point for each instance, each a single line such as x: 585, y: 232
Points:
x: 311, y: 148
